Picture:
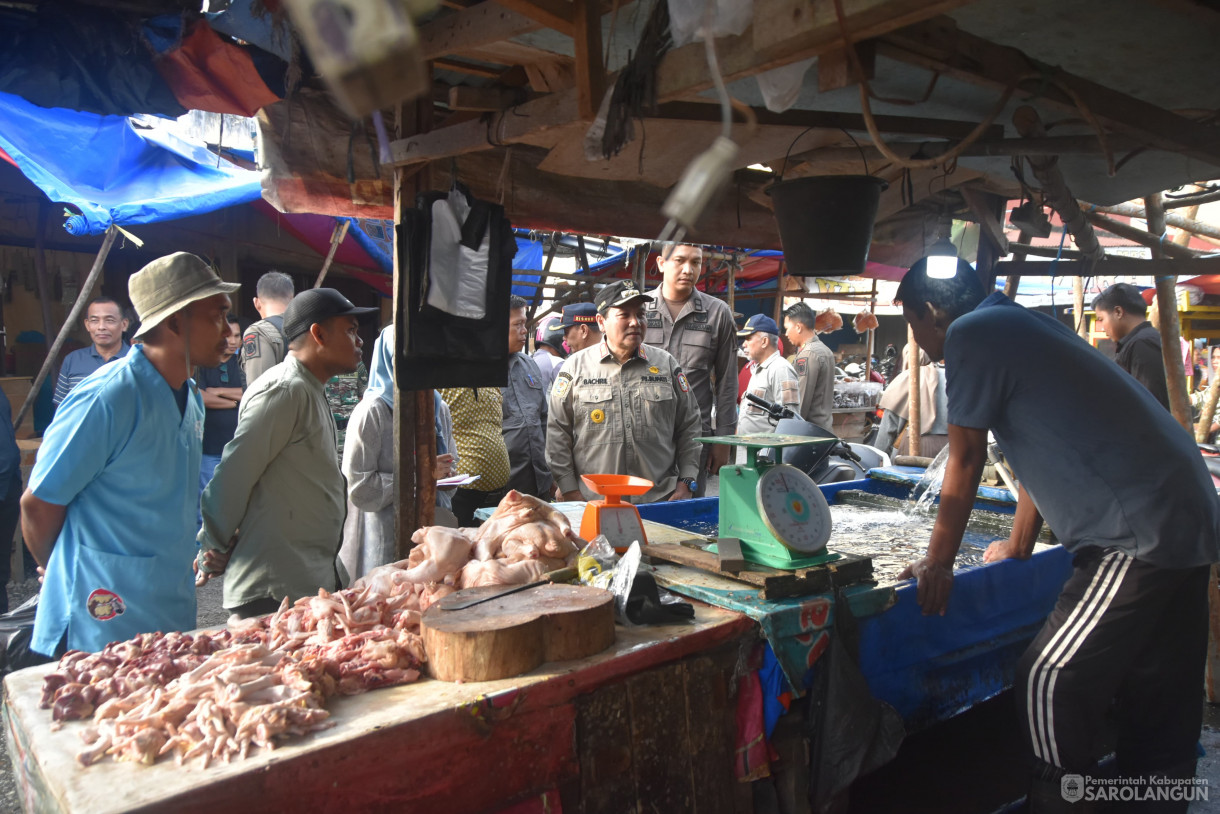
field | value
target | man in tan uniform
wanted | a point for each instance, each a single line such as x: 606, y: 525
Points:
x: 623, y: 408
x: 263, y: 346
x: 814, y: 364
x: 774, y: 379
x: 698, y: 330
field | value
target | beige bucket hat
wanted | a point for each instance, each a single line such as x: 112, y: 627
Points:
x: 170, y: 283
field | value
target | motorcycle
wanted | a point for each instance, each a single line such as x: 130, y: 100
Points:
x: 832, y: 463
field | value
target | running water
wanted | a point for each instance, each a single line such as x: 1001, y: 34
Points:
x: 923, y: 496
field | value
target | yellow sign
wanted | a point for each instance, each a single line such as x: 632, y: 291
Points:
x: 597, y: 416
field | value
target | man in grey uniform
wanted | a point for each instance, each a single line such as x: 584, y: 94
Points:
x: 698, y: 330
x: 774, y: 379
x: 279, y: 480
x: 623, y: 408
x: 263, y: 346
x: 524, y: 422
x: 814, y: 364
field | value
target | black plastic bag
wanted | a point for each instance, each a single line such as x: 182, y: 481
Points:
x: 16, y: 632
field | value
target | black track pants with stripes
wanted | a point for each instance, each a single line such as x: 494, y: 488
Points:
x: 1122, y: 632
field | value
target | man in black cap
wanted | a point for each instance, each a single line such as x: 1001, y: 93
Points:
x: 623, y: 408
x: 279, y: 480
x: 580, y: 329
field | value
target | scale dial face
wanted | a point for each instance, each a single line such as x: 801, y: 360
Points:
x: 793, y: 509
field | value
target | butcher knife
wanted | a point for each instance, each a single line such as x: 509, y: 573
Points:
x: 457, y: 601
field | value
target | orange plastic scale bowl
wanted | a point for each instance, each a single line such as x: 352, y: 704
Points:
x: 619, y: 521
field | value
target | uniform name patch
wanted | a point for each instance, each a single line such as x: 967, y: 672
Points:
x: 594, y: 381
x: 655, y: 379
x: 699, y: 326
x: 104, y: 605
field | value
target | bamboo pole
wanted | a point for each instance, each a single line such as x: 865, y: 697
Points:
x: 542, y: 283
x: 1136, y: 235
x: 1183, y: 223
x: 78, y: 308
x: 336, y: 237
x: 731, y: 288
x: 779, y: 292
x: 1171, y: 331
x: 914, y: 419
x: 1204, y: 428
x: 42, y: 275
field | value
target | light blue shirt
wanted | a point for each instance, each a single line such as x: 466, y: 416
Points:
x: 125, y: 462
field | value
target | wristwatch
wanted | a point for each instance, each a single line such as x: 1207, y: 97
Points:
x: 691, y: 483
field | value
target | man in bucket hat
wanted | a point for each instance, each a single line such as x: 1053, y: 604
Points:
x: 110, y: 509
x: 279, y: 480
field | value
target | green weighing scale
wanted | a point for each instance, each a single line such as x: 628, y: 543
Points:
x: 776, y: 510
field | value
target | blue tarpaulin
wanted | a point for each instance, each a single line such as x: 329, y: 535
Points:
x: 115, y: 172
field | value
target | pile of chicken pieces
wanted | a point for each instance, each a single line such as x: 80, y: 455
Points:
x: 217, y: 694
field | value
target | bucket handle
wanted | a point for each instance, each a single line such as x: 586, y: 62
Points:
x: 801, y: 135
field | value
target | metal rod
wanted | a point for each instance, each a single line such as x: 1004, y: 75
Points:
x: 78, y: 308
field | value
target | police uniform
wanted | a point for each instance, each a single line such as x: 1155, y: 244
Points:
x: 815, y: 370
x: 703, y: 341
x: 524, y: 424
x: 263, y: 347
x: 638, y: 418
x: 774, y: 380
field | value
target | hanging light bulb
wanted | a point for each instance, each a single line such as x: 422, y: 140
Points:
x: 942, y: 260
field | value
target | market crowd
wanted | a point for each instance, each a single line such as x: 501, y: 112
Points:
x: 201, y: 450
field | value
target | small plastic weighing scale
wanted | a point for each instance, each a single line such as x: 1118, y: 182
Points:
x: 619, y: 521
x: 776, y: 510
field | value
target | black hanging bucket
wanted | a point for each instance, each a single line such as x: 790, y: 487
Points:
x: 826, y: 222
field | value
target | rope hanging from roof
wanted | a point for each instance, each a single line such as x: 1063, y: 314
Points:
x: 635, y: 90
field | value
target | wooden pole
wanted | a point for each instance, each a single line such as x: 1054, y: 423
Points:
x: 1018, y: 253
x: 42, y: 274
x: 868, y: 359
x: 78, y: 308
x: 425, y: 457
x: 779, y: 292
x: 914, y: 419
x: 336, y: 237
x: 1183, y: 223
x: 731, y: 288
x: 1054, y: 188
x: 1082, y: 328
x: 1204, y: 428
x: 1160, y: 248
x: 1171, y: 330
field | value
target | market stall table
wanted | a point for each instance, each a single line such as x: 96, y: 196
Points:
x: 646, y: 725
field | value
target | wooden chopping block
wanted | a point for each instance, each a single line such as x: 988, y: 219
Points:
x: 514, y: 634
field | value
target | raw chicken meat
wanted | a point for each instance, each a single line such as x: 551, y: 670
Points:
x: 479, y: 573
x: 443, y: 550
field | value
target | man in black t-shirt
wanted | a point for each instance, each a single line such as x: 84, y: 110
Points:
x: 1123, y: 315
x: 222, y: 388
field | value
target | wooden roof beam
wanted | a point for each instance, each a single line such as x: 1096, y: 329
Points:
x: 556, y: 14
x: 472, y: 28
x: 683, y: 72
x: 1113, y: 264
x: 939, y: 45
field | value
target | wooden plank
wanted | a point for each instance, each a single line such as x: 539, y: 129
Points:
x: 470, y: 68
x: 979, y: 205
x: 729, y: 556
x: 710, y: 710
x: 683, y: 72
x: 1113, y: 265
x: 556, y: 14
x: 830, y: 120
x: 939, y: 45
x: 462, y: 97
x: 477, y: 26
x: 772, y: 582
x: 835, y: 68
x: 603, y: 740
x: 590, y: 72
x: 660, y: 740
